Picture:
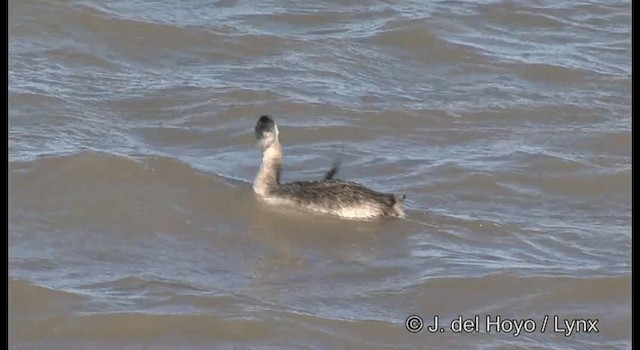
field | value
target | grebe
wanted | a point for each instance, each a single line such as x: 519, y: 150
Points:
x: 336, y: 197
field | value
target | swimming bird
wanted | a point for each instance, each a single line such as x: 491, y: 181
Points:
x: 340, y: 198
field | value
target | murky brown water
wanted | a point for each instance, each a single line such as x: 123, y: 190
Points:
x: 132, y: 224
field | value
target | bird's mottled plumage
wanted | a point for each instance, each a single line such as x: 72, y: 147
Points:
x: 342, y: 198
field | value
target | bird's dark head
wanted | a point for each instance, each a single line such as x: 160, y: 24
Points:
x: 266, y: 131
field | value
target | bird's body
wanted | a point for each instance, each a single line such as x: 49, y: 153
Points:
x: 330, y: 196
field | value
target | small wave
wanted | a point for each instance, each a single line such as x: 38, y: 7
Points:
x: 415, y: 37
x: 601, y: 184
x: 552, y: 73
x: 512, y: 14
x: 89, y: 188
